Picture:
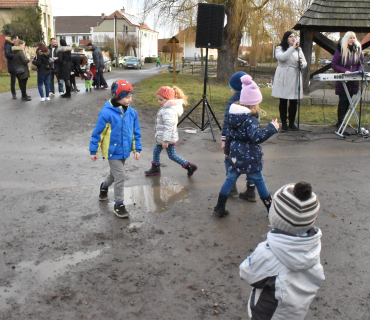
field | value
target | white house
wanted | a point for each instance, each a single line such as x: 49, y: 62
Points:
x: 128, y: 25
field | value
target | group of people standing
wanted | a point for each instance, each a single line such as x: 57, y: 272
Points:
x: 347, y: 58
x: 52, y: 62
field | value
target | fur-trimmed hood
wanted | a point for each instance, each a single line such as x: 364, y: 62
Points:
x: 9, y: 40
x: 175, y: 104
x: 63, y: 48
x: 44, y: 53
x: 17, y: 48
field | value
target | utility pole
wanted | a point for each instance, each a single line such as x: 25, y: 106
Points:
x: 115, y: 40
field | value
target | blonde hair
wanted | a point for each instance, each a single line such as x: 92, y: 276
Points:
x: 18, y: 42
x: 346, y: 53
x: 179, y: 94
x: 255, y: 109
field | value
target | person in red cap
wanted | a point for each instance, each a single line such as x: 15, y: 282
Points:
x: 170, y: 101
x: 116, y: 134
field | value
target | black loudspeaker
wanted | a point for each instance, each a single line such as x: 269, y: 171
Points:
x: 210, y: 25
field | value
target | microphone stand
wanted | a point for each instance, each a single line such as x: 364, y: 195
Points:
x: 299, y: 91
x: 360, y: 131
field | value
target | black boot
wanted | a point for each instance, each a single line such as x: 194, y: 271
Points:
x: 249, y: 194
x: 155, y: 170
x: 191, y: 168
x: 292, y: 126
x: 103, y: 195
x: 220, y: 210
x: 267, y: 202
x: 284, y: 126
x: 233, y: 191
x: 14, y: 95
x: 292, y: 114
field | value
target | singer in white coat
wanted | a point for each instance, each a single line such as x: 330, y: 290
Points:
x: 285, y: 85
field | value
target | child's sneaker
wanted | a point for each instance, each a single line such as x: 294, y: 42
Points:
x: 120, y: 211
x: 42, y: 99
x: 47, y: 99
x: 103, y: 195
x: 87, y: 90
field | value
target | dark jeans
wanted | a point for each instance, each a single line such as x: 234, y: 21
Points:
x: 13, y: 77
x: 23, y: 86
x: 255, y: 177
x: 60, y: 83
x: 99, y: 79
x: 43, y: 79
x: 158, y: 64
x: 283, y: 106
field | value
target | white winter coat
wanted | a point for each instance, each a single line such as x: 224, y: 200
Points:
x: 285, y: 84
x: 285, y: 272
x: 167, y: 119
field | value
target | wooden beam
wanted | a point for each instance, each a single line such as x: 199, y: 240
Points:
x: 321, y: 70
x: 365, y: 45
x: 306, y: 45
x: 324, y: 42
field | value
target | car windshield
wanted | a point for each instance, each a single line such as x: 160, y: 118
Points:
x: 132, y: 59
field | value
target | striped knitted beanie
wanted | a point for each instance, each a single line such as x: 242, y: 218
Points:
x: 294, y: 208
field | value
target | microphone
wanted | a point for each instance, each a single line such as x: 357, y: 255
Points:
x: 355, y: 46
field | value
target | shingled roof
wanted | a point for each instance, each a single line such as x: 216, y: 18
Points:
x: 17, y: 3
x: 75, y: 24
x: 130, y: 19
x: 336, y: 15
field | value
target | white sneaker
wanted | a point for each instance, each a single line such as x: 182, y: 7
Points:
x: 42, y: 99
x: 51, y: 94
x: 47, y: 99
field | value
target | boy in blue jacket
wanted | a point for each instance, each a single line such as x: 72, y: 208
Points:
x: 117, y: 133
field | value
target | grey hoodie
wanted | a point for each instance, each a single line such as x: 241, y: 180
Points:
x: 285, y: 273
x: 167, y: 119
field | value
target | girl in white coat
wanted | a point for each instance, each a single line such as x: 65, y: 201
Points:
x: 286, y: 78
x: 170, y: 101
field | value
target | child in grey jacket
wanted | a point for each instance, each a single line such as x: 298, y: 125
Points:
x: 285, y: 270
x: 170, y: 101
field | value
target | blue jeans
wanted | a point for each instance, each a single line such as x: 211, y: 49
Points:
x: 51, y: 83
x: 43, y: 79
x: 171, y: 151
x: 158, y: 64
x: 226, y: 162
x: 99, y: 79
x: 256, y: 178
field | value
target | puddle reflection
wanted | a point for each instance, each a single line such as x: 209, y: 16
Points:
x: 156, y: 197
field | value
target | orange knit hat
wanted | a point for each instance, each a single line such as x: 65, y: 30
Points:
x: 166, y: 92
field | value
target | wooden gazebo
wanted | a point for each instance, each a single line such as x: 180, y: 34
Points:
x: 330, y: 16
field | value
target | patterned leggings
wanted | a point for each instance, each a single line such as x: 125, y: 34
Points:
x: 171, y: 151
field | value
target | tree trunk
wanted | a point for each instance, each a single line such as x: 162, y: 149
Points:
x: 232, y: 37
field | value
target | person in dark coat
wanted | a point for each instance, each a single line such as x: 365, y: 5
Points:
x: 54, y: 72
x: 64, y: 66
x: 8, y: 53
x: 76, y: 71
x: 99, y: 65
x: 20, y: 63
x: 347, y: 58
x: 42, y: 62
x: 242, y: 146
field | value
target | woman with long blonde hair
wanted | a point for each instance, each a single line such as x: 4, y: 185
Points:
x: 347, y: 58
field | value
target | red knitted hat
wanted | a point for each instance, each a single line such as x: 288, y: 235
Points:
x: 123, y: 89
x: 166, y: 92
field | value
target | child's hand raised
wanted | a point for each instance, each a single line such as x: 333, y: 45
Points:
x: 275, y: 123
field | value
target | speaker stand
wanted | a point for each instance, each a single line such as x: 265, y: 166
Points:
x: 206, y: 107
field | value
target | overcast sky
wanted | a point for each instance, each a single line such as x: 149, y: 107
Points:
x: 96, y: 8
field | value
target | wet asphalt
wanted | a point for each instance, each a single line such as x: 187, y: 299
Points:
x: 64, y: 255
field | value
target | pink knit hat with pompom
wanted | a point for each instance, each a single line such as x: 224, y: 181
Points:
x: 167, y: 93
x: 250, y: 94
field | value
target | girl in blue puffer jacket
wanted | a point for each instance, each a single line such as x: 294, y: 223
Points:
x: 242, y: 146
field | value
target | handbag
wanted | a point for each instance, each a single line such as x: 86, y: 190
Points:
x: 20, y: 69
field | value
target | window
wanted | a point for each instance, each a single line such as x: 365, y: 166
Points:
x: 74, y: 39
x: 86, y: 37
x: 62, y: 37
x: 125, y: 29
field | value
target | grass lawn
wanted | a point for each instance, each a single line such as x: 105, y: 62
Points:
x: 219, y: 93
x: 5, y: 82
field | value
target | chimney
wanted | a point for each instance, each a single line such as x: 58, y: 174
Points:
x: 103, y: 15
x: 123, y: 10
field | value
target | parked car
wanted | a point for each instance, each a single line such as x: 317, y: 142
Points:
x: 133, y: 63
x: 324, y: 61
x: 121, y: 61
x: 107, y: 64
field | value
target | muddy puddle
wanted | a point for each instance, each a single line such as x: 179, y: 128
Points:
x: 40, y: 272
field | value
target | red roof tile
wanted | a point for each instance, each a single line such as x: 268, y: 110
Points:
x: 17, y: 3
